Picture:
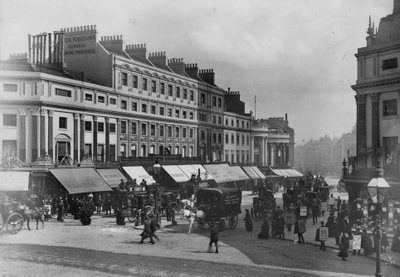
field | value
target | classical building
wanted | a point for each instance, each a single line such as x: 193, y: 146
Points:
x: 272, y: 142
x: 377, y: 100
x: 81, y: 98
x: 237, y: 129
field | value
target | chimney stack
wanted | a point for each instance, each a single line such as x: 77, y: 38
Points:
x: 113, y: 43
x: 137, y: 51
x: 208, y: 76
x: 192, y: 70
x: 177, y: 65
x: 158, y: 59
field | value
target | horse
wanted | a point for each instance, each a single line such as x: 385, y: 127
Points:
x: 194, y: 216
x: 32, y: 214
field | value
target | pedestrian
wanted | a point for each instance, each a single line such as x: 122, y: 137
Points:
x: 60, y: 211
x: 299, y: 229
x: 396, y: 240
x: 248, y: 222
x: 385, y: 241
x: 356, y: 234
x: 213, y: 236
x: 281, y: 227
x: 344, y: 245
x: 315, y: 211
x: 331, y: 202
x: 366, y: 243
x: 319, y: 236
x: 337, y: 229
x: 264, y: 234
x: 147, y: 231
x: 331, y: 225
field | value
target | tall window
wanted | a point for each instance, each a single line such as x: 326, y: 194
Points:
x: 177, y: 134
x: 123, y: 127
x: 153, y: 86
x: 124, y: 78
x: 62, y: 123
x: 191, y: 95
x: 389, y: 146
x: 100, y: 127
x: 144, y: 129
x: 153, y: 109
x: 152, y: 130
x: 144, y: 108
x: 161, y: 133
x: 162, y: 88
x: 88, y: 150
x: 134, y: 128
x: 88, y: 126
x: 144, y: 83
x: 100, y: 152
x: 169, y: 131
x: 124, y: 104
x: 185, y: 93
x: 162, y: 111
x: 191, y: 133
x: 169, y: 90
x: 135, y: 81
x: 390, y: 107
x: 203, y: 98
x: 184, y: 132
x: 214, y: 101
x: 178, y: 92
x: 134, y: 106
x: 112, y: 127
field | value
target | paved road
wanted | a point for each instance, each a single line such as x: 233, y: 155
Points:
x: 105, y: 249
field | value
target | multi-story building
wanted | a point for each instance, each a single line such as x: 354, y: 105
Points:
x: 237, y: 129
x: 210, y: 114
x: 377, y: 100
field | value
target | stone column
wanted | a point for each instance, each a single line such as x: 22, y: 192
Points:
x: 76, y: 137
x: 50, y: 137
x: 22, y: 135
x: 118, y: 150
x: 43, y: 114
x: 251, y: 149
x: 265, y: 154
x: 273, y: 154
x: 361, y: 130
x: 82, y: 137
x: 129, y: 133
x: 375, y: 128
x: 94, y: 138
x: 108, y: 154
x: 34, y: 133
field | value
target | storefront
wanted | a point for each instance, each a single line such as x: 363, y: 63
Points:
x: 80, y: 180
x: 112, y: 176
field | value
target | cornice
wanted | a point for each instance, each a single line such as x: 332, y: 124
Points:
x: 374, y: 84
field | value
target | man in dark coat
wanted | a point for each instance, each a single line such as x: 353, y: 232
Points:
x: 213, y: 237
x: 247, y: 221
x: 264, y: 234
x: 331, y: 225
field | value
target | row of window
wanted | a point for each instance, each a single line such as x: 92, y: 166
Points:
x: 214, y: 100
x: 163, y: 88
x: 144, y: 129
x: 237, y: 123
x: 241, y: 156
x: 237, y: 139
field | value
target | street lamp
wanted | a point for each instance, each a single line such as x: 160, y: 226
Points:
x: 156, y: 170
x: 378, y: 189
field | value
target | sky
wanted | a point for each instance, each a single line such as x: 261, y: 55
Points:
x: 284, y: 56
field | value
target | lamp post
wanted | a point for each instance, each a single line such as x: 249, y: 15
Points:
x: 157, y: 170
x: 378, y: 189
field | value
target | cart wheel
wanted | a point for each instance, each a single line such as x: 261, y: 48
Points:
x: 133, y: 216
x: 174, y: 206
x: 14, y: 223
x: 233, y: 221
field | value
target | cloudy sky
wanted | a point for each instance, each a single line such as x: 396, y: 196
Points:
x: 295, y: 56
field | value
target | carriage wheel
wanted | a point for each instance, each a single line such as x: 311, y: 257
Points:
x: 233, y: 221
x: 133, y: 215
x: 14, y: 223
x: 174, y: 206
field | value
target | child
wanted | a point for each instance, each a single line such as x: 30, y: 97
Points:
x: 319, y: 238
x: 213, y: 237
x: 147, y: 231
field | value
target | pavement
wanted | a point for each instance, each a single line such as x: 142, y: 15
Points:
x: 388, y: 257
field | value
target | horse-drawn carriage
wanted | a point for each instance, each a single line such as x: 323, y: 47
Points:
x: 10, y: 217
x: 219, y: 205
x: 264, y: 204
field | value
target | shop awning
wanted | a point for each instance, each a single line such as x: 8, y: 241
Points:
x: 258, y: 171
x: 287, y: 172
x: 112, y: 176
x: 190, y: 169
x: 80, y: 180
x: 219, y: 172
x: 176, y: 173
x: 14, y: 180
x: 250, y: 171
x: 239, y: 173
x: 139, y: 173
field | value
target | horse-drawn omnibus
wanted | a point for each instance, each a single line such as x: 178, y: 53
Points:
x: 221, y: 205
